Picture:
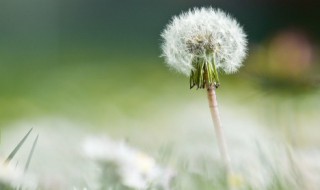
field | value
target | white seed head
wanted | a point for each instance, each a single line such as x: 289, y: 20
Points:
x: 136, y: 169
x: 12, y: 176
x: 201, y: 32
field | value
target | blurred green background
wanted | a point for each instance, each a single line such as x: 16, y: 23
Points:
x: 72, y: 68
x: 98, y: 62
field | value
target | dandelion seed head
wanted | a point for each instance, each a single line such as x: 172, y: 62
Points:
x: 136, y: 169
x: 204, y: 32
x: 8, y: 174
x: 12, y: 176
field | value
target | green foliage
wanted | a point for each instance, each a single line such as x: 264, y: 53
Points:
x: 5, y: 187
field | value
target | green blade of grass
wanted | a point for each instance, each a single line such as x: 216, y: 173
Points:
x: 31, y: 153
x: 16, y: 149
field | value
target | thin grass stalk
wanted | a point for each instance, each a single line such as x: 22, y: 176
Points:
x: 16, y: 149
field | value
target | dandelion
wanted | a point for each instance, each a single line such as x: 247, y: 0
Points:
x: 201, y: 43
x: 9, y: 176
x: 12, y: 176
x: 135, y: 168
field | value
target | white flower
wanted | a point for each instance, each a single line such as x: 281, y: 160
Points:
x: 9, y: 175
x: 13, y: 177
x: 136, y: 169
x: 204, y: 33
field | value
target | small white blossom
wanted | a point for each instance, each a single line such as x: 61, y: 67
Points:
x: 9, y: 175
x: 136, y: 169
x: 204, y: 33
x: 13, y: 177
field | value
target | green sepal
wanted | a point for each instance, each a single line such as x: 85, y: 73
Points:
x: 204, y: 73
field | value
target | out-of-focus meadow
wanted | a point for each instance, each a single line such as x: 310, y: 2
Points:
x: 87, y: 76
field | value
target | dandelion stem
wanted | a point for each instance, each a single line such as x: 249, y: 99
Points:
x: 213, y: 105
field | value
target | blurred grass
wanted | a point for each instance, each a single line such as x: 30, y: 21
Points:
x: 82, y: 86
x: 128, y: 90
x: 112, y: 91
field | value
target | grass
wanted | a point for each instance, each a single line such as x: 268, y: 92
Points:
x: 78, y: 89
x: 136, y: 98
